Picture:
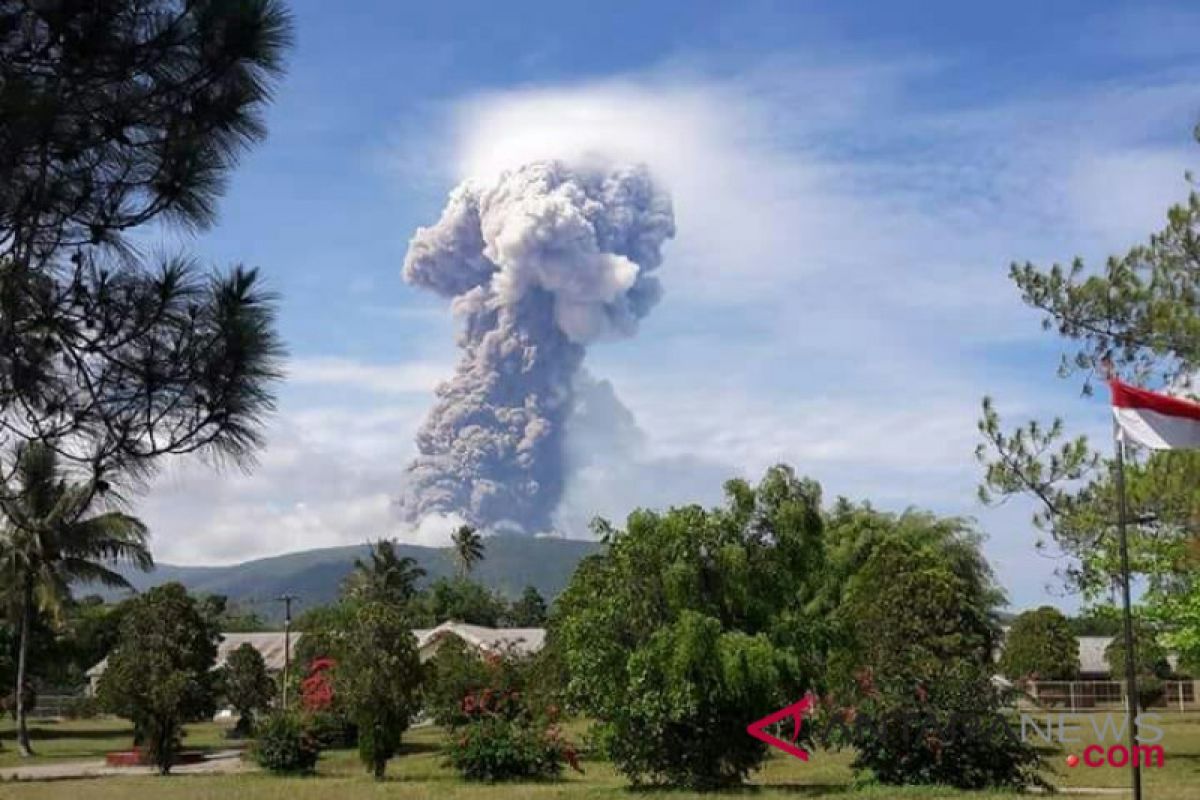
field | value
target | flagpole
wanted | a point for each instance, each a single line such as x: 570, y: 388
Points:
x: 1130, y: 662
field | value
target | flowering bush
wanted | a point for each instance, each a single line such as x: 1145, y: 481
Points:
x: 284, y: 745
x: 324, y: 719
x: 457, y: 671
x: 316, y: 691
x: 503, y: 740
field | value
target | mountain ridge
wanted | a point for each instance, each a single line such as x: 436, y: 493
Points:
x: 510, y: 564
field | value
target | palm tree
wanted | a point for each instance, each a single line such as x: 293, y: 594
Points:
x: 48, y: 542
x: 388, y: 577
x: 468, y: 549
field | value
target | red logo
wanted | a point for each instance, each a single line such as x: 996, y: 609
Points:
x: 796, y: 711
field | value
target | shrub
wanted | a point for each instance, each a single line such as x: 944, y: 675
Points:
x: 502, y: 740
x: 81, y: 708
x: 457, y: 671
x: 948, y: 730
x: 325, y: 717
x: 332, y: 729
x: 316, y: 690
x: 285, y: 746
x: 692, y: 677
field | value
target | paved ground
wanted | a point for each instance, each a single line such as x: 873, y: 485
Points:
x: 223, y: 761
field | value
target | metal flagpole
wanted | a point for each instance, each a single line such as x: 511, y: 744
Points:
x: 1130, y: 662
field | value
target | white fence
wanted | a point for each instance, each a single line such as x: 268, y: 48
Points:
x: 1178, y: 696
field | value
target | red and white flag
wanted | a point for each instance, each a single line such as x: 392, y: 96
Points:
x: 1156, y: 421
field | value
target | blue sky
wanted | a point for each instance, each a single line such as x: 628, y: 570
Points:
x: 851, y: 181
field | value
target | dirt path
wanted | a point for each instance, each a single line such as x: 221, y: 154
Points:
x: 223, y: 761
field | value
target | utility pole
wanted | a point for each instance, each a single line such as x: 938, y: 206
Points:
x: 287, y: 599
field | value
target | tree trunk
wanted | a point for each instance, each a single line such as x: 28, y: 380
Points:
x: 23, y: 745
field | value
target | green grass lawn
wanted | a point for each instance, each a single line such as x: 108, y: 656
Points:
x: 81, y: 740
x: 419, y: 773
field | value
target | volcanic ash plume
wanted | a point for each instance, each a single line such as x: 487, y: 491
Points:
x: 539, y: 264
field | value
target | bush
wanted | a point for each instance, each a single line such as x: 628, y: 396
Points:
x: 457, y: 671
x: 949, y: 730
x: 690, y: 680
x: 81, y: 708
x: 284, y: 745
x: 502, y: 740
x: 332, y: 729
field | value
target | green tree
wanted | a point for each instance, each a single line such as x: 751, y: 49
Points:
x: 324, y: 629
x: 246, y: 685
x: 468, y: 549
x: 378, y: 678
x: 1137, y: 316
x: 1040, y: 644
x: 385, y: 577
x: 161, y: 675
x: 1101, y: 620
x: 89, y: 629
x: 51, y: 540
x: 929, y: 616
x: 460, y: 600
x: 694, y: 622
x: 915, y: 629
x: 529, y: 611
x: 854, y: 532
x: 118, y: 115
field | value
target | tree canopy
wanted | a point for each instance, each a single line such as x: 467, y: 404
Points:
x: 1040, y: 644
x: 694, y: 622
x: 1137, y: 317
x: 246, y: 685
x: 116, y: 115
x: 160, y: 675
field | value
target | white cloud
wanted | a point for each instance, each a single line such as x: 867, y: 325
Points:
x: 403, y: 378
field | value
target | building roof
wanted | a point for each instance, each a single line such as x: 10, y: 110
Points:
x: 521, y: 641
x: 1092, y: 660
x: 269, y: 644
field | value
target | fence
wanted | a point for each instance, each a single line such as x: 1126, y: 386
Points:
x: 50, y: 706
x: 1180, y: 696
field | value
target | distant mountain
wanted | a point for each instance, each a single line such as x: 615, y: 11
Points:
x: 510, y: 564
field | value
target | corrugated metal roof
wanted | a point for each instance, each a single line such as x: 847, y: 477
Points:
x: 523, y: 641
x: 269, y: 644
